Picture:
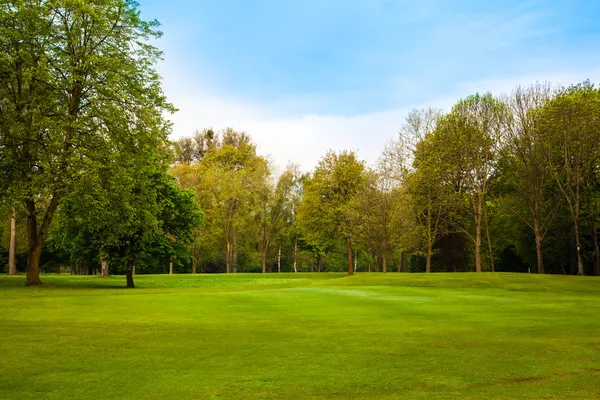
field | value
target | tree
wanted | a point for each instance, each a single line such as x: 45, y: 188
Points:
x: 464, y: 150
x: 329, y: 207
x: 273, y: 205
x: 78, y: 84
x: 569, y: 126
x: 228, y: 181
x: 525, y: 173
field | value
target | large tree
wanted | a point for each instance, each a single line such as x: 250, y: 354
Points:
x: 78, y: 83
x: 569, y: 127
x: 465, y: 152
x: 330, y: 203
x: 525, y: 175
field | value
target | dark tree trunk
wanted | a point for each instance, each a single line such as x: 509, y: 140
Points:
x: 129, y: 276
x: 580, y: 269
x: 384, y: 262
x: 349, y: 245
x: 234, y: 252
x: 263, y: 260
x: 228, y: 258
x: 428, y: 261
x: 538, y: 251
x: 401, y: 262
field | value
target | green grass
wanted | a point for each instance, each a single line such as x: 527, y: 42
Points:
x: 301, y: 336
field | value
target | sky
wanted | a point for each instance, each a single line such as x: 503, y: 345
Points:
x: 306, y: 76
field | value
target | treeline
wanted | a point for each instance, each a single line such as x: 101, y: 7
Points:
x: 90, y: 182
x: 509, y: 183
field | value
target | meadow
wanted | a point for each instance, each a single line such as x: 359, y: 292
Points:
x: 301, y: 336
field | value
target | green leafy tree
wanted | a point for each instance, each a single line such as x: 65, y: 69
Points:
x: 329, y: 206
x: 78, y: 84
x: 569, y: 126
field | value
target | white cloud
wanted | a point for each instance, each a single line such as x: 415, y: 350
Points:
x: 303, y: 139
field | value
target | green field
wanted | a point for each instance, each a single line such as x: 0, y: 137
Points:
x: 301, y: 336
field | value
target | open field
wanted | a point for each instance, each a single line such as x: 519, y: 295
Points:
x: 302, y: 336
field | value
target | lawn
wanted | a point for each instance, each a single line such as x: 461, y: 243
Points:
x: 301, y: 336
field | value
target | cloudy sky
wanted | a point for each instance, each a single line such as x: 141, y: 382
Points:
x: 305, y: 76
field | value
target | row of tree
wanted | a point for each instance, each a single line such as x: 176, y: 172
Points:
x: 485, y: 186
x: 91, y: 182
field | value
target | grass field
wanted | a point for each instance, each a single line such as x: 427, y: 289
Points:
x: 301, y: 336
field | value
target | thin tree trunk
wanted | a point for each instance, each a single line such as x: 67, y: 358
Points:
x: 129, y: 277
x: 319, y: 264
x: 429, y: 254
x: 401, y: 262
x: 538, y: 248
x: 596, y: 249
x: 384, y: 257
x: 234, y: 252
x: 580, y: 269
x: 133, y: 268
x: 349, y: 245
x: 279, y: 259
x: 295, y: 255
x: 355, y: 260
x: 12, y: 249
x: 228, y: 258
x: 171, y: 265
x: 489, y: 239
x: 478, y: 239
x: 263, y: 260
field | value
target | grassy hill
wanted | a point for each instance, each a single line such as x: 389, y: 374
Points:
x: 301, y: 336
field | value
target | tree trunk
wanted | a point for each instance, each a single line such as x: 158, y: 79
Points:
x: 171, y: 265
x: 429, y: 254
x: 401, y: 262
x: 580, y: 269
x: 478, y: 243
x: 36, y: 245
x: 538, y: 249
x: 129, y: 276
x: 596, y: 249
x: 133, y: 268
x: 12, y: 265
x: 319, y: 264
x: 349, y: 245
x: 104, y: 267
x: 33, y: 264
x: 279, y: 259
x: 355, y: 260
x: 228, y: 258
x: 384, y: 262
x: 295, y: 255
x: 263, y: 260
x: 489, y: 240
x: 37, y: 239
x: 234, y: 252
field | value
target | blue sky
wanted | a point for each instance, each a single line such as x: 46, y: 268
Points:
x: 305, y: 76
